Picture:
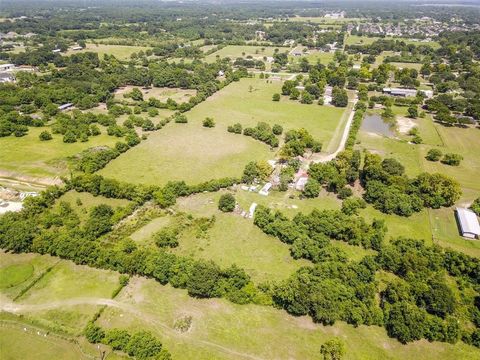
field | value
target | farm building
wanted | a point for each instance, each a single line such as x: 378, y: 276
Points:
x: 6, y: 67
x: 468, y: 222
x: 65, y: 106
x: 76, y: 48
x: 406, y: 92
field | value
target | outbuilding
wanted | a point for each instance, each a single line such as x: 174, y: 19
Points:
x: 468, y: 222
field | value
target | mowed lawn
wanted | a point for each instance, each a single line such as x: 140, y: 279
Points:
x: 195, y: 154
x: 28, y: 155
x: 121, y: 52
x: 236, y: 51
x: 222, y: 330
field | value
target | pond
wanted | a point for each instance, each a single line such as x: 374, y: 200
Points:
x: 374, y: 123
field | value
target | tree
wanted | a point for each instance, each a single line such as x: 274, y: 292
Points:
x: 45, y: 136
x: 307, y: 98
x: 94, y: 333
x: 312, y: 188
x: 209, y: 122
x: 276, y: 97
x: 413, y: 112
x: 226, y: 203
x: 476, y: 206
x: 294, y: 94
x: 339, y: 97
x: 433, y: 155
x: 333, y: 349
x: 204, y: 279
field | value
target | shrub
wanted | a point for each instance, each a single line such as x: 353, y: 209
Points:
x: 226, y: 203
x: 277, y: 129
x: 417, y: 139
x: 167, y: 237
x: 433, y: 155
x: 452, y: 159
x: 209, y: 122
x: 235, y: 128
x: 276, y: 97
x: 180, y: 118
x: 69, y: 137
x: 344, y: 193
x: 45, y: 136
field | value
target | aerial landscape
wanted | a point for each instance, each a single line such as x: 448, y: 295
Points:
x: 239, y: 180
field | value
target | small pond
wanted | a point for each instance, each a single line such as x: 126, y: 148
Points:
x: 374, y: 123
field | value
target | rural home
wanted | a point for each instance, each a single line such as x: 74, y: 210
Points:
x: 468, y: 222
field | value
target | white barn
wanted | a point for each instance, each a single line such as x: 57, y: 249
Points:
x: 468, y: 221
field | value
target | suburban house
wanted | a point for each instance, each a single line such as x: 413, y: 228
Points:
x: 468, y: 222
x: 407, y: 92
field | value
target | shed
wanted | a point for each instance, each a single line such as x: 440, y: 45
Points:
x: 251, y: 211
x: 468, y: 222
x: 65, y: 106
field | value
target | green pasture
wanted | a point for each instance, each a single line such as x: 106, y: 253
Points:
x: 121, y: 52
x: 367, y: 40
x: 222, y: 330
x: 236, y: 51
x: 193, y: 153
x: 27, y: 155
x: 83, y: 202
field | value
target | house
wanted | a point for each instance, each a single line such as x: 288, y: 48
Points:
x: 301, y: 182
x: 251, y: 211
x: 76, y: 48
x: 265, y: 189
x: 356, y: 67
x: 65, y: 106
x: 260, y: 35
x: 468, y: 222
x: 56, y: 51
x: 296, y: 53
x: 6, y: 77
x: 6, y: 67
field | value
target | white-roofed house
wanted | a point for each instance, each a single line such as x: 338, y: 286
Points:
x: 468, y: 222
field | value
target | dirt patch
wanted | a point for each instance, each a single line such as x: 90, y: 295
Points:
x: 405, y: 124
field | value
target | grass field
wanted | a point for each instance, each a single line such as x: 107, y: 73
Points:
x: 121, y: 52
x: 162, y: 94
x: 367, y: 40
x: 28, y: 155
x: 82, y: 202
x: 221, y: 330
x: 313, y: 57
x: 16, y: 344
x: 437, y: 225
x: 192, y: 153
x: 64, y: 282
x: 235, y: 51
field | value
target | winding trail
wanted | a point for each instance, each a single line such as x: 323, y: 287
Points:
x: 9, y: 306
